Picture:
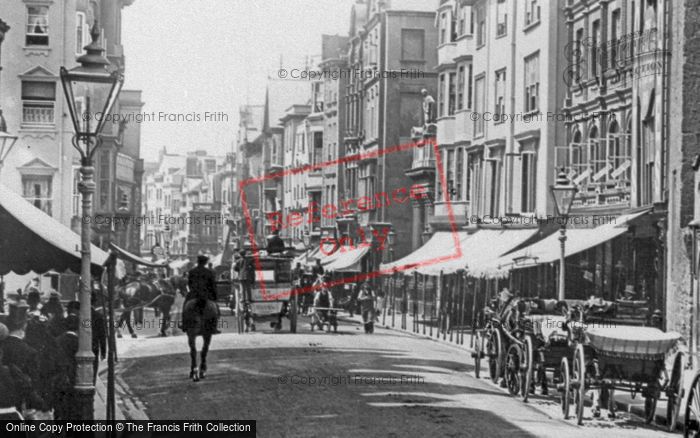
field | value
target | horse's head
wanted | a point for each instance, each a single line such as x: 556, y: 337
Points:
x: 178, y: 283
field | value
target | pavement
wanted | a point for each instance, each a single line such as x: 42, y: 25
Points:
x: 391, y: 383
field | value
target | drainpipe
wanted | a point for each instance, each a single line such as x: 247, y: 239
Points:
x: 508, y: 174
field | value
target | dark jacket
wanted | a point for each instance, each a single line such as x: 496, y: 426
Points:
x: 16, y: 353
x: 202, y: 284
x: 275, y: 244
x: 99, y: 332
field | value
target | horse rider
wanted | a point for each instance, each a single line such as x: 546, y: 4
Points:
x: 366, y: 298
x: 202, y: 286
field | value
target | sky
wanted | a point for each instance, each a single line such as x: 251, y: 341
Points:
x: 192, y: 57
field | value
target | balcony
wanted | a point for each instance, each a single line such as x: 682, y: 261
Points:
x: 37, y: 113
x: 423, y: 163
x: 602, y: 170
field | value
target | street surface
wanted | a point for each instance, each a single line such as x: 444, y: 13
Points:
x: 340, y: 385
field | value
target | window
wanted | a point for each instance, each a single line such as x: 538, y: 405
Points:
x: 469, y: 88
x: 594, y: 50
x: 459, y: 174
x: 481, y: 26
x: 532, y: 82
x: 38, y: 102
x: 37, y: 26
x: 81, y: 32
x: 579, y: 54
x: 501, y: 18
x: 452, y: 93
x: 479, y: 104
x: 532, y: 12
x: 615, y: 30
x: 317, y: 157
x: 464, y: 15
x: 441, y: 95
x: 443, y: 28
x: 105, y: 181
x: 75, y: 204
x: 460, y: 88
x: 500, y: 99
x: 450, y: 174
x: 647, y: 161
x: 37, y: 190
x: 412, y: 45
x: 495, y: 191
x: 527, y: 183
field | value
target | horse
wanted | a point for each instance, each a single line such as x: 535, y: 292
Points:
x: 200, y: 318
x: 147, y: 292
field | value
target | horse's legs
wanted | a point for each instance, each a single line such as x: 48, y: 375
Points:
x: 203, y: 355
x: 120, y: 324
x: 192, y: 342
x: 165, y: 322
x: 128, y: 324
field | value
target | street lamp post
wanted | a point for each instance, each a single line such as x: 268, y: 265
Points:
x: 7, y: 141
x: 88, y: 87
x: 563, y: 192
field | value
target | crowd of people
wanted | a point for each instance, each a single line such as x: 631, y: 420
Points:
x: 38, y: 346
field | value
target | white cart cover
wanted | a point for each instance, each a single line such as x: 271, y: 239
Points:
x: 548, y: 326
x: 629, y: 340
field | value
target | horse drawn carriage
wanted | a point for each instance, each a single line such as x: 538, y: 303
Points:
x: 523, y: 341
x: 273, y: 275
x: 587, y: 346
x: 620, y: 347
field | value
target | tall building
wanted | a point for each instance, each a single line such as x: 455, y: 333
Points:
x: 391, y: 59
x: 43, y: 165
x: 250, y: 165
x: 617, y: 136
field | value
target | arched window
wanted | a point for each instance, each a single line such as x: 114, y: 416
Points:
x: 576, y: 152
x: 596, y: 151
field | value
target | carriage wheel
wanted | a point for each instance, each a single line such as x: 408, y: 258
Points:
x: 565, y: 387
x: 494, y: 349
x: 478, y: 351
x: 578, y: 379
x: 526, y: 368
x: 650, y: 408
x: 691, y: 427
x: 514, y: 359
x: 674, y: 392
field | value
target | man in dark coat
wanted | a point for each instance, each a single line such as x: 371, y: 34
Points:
x: 246, y: 274
x: 17, y: 353
x: 66, y: 398
x: 275, y: 244
x: 202, y: 286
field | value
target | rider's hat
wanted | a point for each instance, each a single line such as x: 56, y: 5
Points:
x: 202, y: 259
x: 629, y: 291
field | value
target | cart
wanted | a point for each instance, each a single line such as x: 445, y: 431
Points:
x: 545, y: 339
x: 276, y: 273
x: 627, y: 358
x: 492, y: 342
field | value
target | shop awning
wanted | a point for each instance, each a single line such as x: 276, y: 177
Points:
x: 129, y: 257
x: 548, y: 250
x: 347, y: 259
x: 440, y: 249
x: 481, y: 249
x: 180, y: 264
x: 33, y: 241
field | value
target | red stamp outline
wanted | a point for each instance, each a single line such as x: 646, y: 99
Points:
x: 362, y: 276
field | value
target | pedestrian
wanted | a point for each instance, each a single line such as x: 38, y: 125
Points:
x: 34, y: 303
x: 66, y: 398
x: 318, y: 269
x: 246, y: 273
x: 10, y: 392
x: 367, y: 298
x: 99, y: 336
x: 323, y: 301
x: 18, y: 354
